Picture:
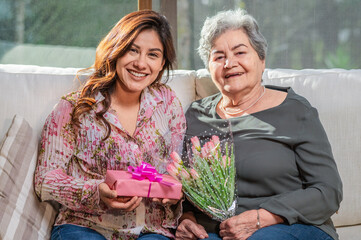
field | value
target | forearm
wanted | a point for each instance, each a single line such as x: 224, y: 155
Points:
x: 73, y: 193
x: 311, y: 206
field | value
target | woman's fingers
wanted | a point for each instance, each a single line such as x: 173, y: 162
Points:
x: 190, y: 230
x: 133, y: 204
x: 106, y: 192
x: 167, y: 201
x: 123, y: 199
x: 110, y: 198
x: 157, y: 200
x: 239, y: 227
x: 128, y: 206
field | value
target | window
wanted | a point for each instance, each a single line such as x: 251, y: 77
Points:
x: 300, y: 34
x: 56, y: 33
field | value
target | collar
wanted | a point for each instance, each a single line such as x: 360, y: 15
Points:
x: 150, y: 99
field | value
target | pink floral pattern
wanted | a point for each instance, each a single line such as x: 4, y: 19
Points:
x: 69, y: 170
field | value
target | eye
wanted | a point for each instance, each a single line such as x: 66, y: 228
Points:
x: 154, y: 55
x: 133, y: 50
x: 240, y: 53
x: 218, y: 58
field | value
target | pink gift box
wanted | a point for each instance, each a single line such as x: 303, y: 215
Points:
x: 125, y: 185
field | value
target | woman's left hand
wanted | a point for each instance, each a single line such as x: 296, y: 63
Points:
x: 239, y: 227
x: 242, y: 226
x: 167, y: 201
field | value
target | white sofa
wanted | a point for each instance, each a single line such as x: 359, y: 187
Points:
x: 30, y: 92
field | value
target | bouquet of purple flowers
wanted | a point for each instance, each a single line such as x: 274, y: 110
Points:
x: 209, y: 181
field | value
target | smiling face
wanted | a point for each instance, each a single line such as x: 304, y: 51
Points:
x: 234, y: 64
x: 141, y: 64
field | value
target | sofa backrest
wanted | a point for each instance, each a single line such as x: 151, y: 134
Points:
x: 32, y: 92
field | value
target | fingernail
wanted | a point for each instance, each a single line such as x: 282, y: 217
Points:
x: 201, y: 236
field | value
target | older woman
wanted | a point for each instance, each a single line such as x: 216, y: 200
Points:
x: 287, y: 181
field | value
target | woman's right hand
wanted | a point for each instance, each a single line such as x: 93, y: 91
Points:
x: 189, y: 229
x: 110, y: 198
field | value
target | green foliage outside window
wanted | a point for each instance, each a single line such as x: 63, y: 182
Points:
x: 301, y: 34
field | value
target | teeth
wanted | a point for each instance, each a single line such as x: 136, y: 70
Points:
x: 235, y: 74
x: 138, y: 74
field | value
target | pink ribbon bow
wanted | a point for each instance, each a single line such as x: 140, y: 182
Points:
x: 147, y: 171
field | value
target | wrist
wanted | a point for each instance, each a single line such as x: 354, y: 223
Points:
x: 258, y: 223
x: 189, y: 216
x: 266, y: 218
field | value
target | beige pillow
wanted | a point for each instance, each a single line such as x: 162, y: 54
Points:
x: 22, y: 216
x: 182, y: 82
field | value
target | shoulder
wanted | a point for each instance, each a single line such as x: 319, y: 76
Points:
x: 162, y: 92
x: 299, y: 100
x: 165, y: 89
x: 298, y: 106
x: 292, y: 97
x: 63, y: 109
x: 67, y: 102
x: 71, y: 97
x: 294, y: 108
x: 205, y: 104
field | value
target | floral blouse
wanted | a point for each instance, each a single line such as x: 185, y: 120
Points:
x: 70, y: 171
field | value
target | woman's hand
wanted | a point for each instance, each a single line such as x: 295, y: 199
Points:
x: 242, y: 226
x: 110, y: 198
x: 188, y: 229
x: 239, y: 227
x: 167, y: 201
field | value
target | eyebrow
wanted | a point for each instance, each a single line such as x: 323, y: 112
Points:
x: 151, y: 50
x: 233, y: 48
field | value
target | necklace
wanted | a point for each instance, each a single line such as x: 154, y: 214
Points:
x: 237, y: 110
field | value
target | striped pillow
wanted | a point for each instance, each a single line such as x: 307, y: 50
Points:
x: 22, y: 216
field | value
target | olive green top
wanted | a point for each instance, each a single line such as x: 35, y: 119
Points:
x: 283, y: 159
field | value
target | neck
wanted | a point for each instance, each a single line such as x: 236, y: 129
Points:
x: 240, y: 99
x: 232, y: 107
x: 120, y: 96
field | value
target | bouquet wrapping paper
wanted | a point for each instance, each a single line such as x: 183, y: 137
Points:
x: 209, y: 178
x: 126, y: 183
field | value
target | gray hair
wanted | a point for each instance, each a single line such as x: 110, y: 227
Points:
x: 230, y: 20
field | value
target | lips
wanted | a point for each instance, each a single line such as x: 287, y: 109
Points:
x: 233, y: 74
x: 137, y: 74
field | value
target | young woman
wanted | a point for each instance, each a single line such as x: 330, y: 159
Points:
x: 123, y: 115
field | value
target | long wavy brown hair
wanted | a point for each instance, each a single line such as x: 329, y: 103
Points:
x: 113, y: 46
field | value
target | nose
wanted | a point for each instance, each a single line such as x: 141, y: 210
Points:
x: 140, y: 62
x: 229, y: 63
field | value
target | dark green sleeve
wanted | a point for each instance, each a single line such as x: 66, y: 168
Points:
x: 322, y: 187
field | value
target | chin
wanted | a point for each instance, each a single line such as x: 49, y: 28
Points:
x: 230, y: 89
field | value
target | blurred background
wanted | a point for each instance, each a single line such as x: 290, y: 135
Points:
x: 301, y: 34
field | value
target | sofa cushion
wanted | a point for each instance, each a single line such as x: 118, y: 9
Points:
x: 22, y: 216
x: 334, y: 92
x: 32, y: 92
x: 204, y: 84
x: 183, y: 83
x: 349, y: 233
